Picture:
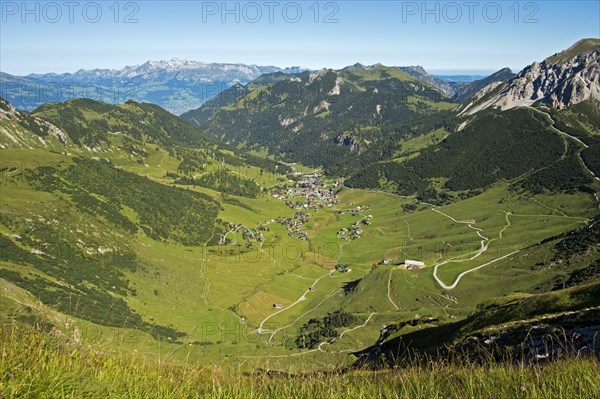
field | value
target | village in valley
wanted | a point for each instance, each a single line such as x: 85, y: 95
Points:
x: 307, y: 194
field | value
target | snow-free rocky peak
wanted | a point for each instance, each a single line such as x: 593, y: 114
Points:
x: 562, y: 80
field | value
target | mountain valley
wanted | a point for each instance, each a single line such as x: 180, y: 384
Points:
x: 308, y: 221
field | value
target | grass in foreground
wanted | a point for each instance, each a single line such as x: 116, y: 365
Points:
x: 38, y: 365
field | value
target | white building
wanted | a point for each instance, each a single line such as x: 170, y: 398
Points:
x: 413, y: 264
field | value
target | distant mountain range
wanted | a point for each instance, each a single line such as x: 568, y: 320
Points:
x: 361, y: 121
x: 176, y: 85
x: 461, y: 88
x: 182, y: 85
x: 460, y: 78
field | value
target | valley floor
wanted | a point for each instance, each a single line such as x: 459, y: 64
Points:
x: 249, y: 299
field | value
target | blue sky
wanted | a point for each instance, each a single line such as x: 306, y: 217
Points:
x: 444, y: 37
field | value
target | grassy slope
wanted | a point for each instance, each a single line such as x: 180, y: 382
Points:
x: 183, y: 286
x: 582, y: 46
x: 255, y: 280
x: 36, y: 365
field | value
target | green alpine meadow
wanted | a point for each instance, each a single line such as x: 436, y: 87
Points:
x: 338, y: 229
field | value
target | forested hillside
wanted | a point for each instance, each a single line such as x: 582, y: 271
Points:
x: 340, y: 120
x: 494, y: 146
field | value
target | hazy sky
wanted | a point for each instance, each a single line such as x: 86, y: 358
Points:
x: 444, y: 37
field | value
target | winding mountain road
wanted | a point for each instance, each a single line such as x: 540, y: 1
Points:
x: 553, y: 127
x: 484, y: 247
x: 455, y: 283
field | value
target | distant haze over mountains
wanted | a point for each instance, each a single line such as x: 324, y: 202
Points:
x: 174, y: 68
x: 460, y: 78
x: 176, y: 85
x: 182, y: 85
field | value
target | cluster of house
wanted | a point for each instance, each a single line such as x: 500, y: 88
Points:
x: 352, y: 233
x: 355, y: 230
x: 294, y: 224
x: 366, y: 220
x: 343, y: 268
x: 308, y: 193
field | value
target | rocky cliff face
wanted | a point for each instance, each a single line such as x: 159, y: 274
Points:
x: 21, y: 130
x: 559, y: 81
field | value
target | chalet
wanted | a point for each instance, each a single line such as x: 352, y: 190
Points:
x: 413, y: 264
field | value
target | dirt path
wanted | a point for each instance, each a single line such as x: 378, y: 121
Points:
x: 552, y: 126
x: 320, y: 347
x: 301, y: 316
x: 407, y: 229
x: 203, y: 277
x: 359, y: 326
x: 388, y: 290
x: 550, y: 208
x: 551, y: 216
x: 467, y: 222
x: 485, y: 246
x: 302, y: 298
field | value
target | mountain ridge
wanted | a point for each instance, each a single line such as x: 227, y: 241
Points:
x: 561, y: 80
x: 176, y: 85
x: 174, y: 65
x: 342, y: 112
